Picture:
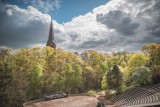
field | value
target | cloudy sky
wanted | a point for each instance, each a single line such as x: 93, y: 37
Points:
x: 103, y: 25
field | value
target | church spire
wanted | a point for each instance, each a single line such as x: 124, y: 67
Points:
x: 51, y: 41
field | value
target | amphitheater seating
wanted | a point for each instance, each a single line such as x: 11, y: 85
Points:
x: 138, y: 96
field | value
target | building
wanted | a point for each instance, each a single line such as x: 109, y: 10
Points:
x: 51, y: 40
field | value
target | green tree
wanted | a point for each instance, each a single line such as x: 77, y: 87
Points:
x: 34, y: 85
x: 136, y: 60
x: 114, y: 79
x: 69, y: 77
x: 142, y: 76
x: 98, y: 62
x: 104, y: 83
x: 77, y: 78
x: 88, y: 76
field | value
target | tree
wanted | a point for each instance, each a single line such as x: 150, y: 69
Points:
x: 88, y: 76
x: 142, y: 76
x: 114, y: 79
x: 5, y: 76
x: 104, y: 83
x: 19, y: 66
x: 77, y: 78
x: 34, y: 85
x: 97, y: 61
x: 136, y: 60
x: 153, y: 52
x: 69, y: 77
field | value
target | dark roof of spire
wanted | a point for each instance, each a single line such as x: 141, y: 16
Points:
x: 51, y: 41
x: 51, y: 34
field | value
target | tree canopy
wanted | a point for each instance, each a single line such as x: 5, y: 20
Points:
x: 28, y: 74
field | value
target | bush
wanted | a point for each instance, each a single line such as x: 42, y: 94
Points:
x: 92, y: 92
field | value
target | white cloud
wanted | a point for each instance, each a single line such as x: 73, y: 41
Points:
x: 116, y: 26
x: 123, y: 25
x: 22, y: 28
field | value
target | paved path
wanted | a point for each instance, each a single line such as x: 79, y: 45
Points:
x: 71, y: 101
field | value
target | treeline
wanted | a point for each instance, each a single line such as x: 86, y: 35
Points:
x: 28, y: 74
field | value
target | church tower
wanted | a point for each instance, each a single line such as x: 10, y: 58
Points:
x: 51, y: 40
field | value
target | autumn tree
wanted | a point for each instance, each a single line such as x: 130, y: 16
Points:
x: 153, y: 52
x: 5, y: 75
x: 136, y: 60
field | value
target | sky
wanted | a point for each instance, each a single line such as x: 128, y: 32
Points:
x: 103, y: 25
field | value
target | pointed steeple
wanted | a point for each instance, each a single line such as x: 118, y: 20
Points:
x: 51, y: 41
